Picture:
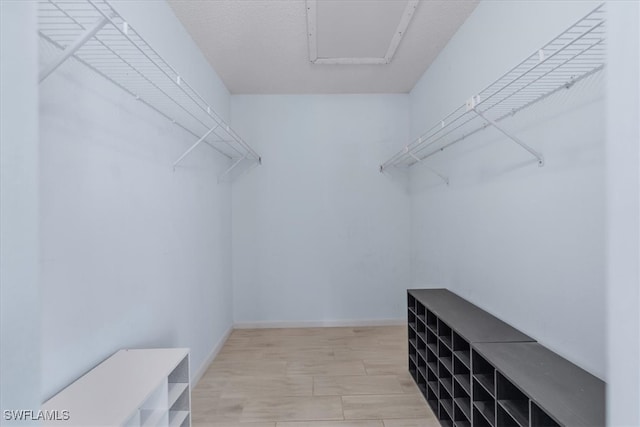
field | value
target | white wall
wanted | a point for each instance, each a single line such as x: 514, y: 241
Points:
x: 623, y: 213
x: 19, y: 285
x: 319, y: 235
x: 523, y: 242
x: 133, y: 254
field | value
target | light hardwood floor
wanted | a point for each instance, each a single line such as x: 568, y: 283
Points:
x: 311, y: 377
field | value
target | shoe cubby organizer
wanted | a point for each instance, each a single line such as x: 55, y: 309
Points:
x: 475, y: 370
x: 131, y: 388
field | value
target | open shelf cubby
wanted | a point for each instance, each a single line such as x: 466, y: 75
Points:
x: 504, y: 419
x: 484, y: 402
x: 540, y: 418
x: 514, y: 402
x: 420, y: 313
x: 411, y: 303
x: 421, y: 380
x: 462, y: 400
x: 432, y: 321
x: 462, y: 349
x: 446, y: 358
x: 412, y: 337
x: 445, y: 418
x: 462, y: 375
x: 152, y: 386
x: 432, y: 341
x: 445, y: 378
x: 460, y: 419
x: 484, y: 373
x: 444, y: 333
x: 422, y: 364
x: 432, y: 362
x: 479, y: 420
x: 411, y: 320
x: 446, y: 401
x: 432, y: 381
x: 421, y: 330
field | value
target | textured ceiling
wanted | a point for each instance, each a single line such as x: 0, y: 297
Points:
x: 261, y: 46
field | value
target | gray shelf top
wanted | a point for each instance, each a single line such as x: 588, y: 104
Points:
x: 471, y: 322
x: 568, y: 393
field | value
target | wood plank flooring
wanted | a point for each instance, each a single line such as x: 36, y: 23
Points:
x: 311, y: 377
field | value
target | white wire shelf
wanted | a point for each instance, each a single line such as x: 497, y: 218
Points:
x: 92, y: 32
x: 570, y: 57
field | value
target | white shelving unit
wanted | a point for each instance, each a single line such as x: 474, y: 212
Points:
x: 92, y: 32
x: 132, y: 388
x: 570, y: 57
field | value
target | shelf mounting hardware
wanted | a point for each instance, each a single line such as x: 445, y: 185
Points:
x: 511, y: 137
x: 190, y: 149
x: 73, y: 48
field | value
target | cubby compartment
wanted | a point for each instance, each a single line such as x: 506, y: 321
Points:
x: 462, y: 375
x: 460, y: 419
x: 411, y: 303
x: 503, y: 419
x: 420, y: 330
x: 432, y: 399
x: 446, y: 400
x: 412, y: 337
x: 445, y: 418
x: 462, y: 349
x: 512, y: 400
x: 446, y: 357
x: 420, y: 313
x: 432, y: 341
x: 446, y: 379
x: 479, y: 420
x: 484, y: 402
x: 432, y: 362
x: 421, y: 381
x: 422, y: 364
x: 539, y: 418
x: 413, y: 363
x: 432, y: 321
x: 444, y: 333
x: 483, y: 372
x: 411, y: 319
x: 462, y: 400
x: 178, y: 395
x: 413, y: 368
x: 151, y: 385
x: 432, y: 381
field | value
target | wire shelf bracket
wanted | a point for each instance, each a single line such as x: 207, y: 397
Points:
x: 572, y: 56
x: 94, y: 34
x: 512, y: 137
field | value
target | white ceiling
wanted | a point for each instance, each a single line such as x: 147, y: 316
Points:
x: 261, y: 46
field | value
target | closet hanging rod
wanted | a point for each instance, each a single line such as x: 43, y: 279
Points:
x: 575, y: 54
x: 93, y: 33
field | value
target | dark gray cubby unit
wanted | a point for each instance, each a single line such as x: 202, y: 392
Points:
x: 443, y: 328
x: 536, y: 387
x: 475, y: 370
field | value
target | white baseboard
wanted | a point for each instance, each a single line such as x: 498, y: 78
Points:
x: 205, y: 365
x: 320, y: 323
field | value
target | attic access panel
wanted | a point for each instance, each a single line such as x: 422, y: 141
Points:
x: 356, y: 32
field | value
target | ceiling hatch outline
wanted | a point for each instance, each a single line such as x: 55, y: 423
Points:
x: 312, y: 35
